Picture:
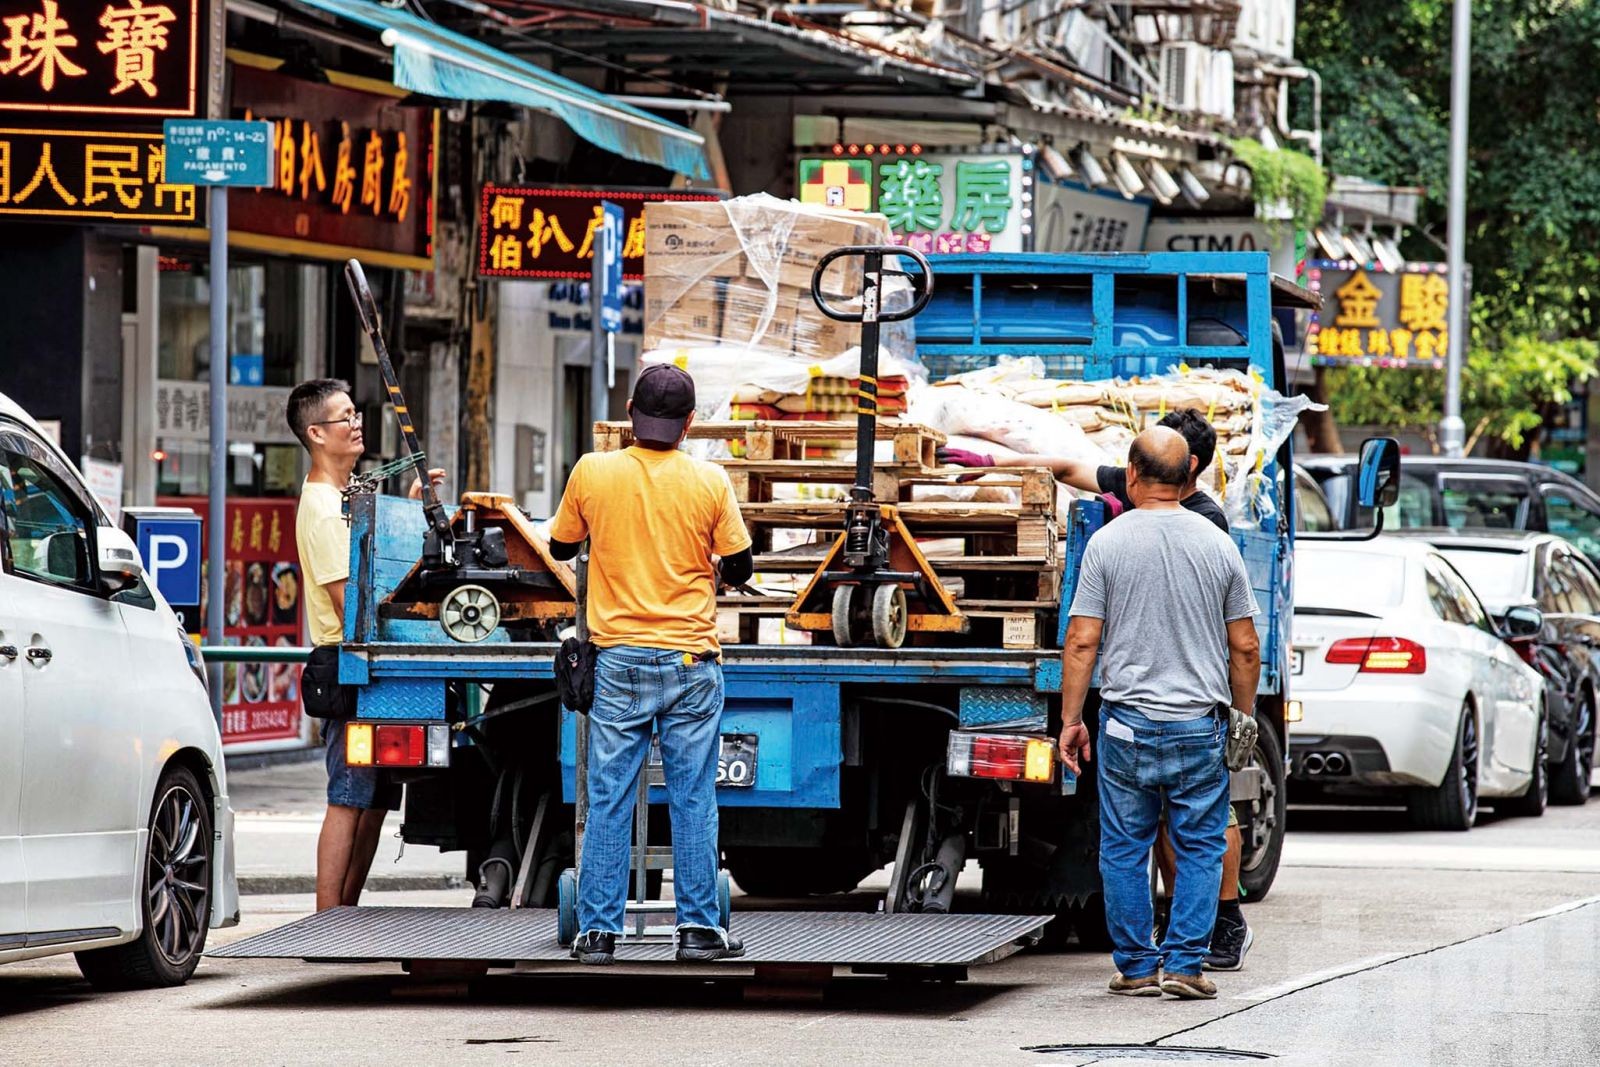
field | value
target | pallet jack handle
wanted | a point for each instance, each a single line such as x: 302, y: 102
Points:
x: 870, y: 316
x: 372, y: 323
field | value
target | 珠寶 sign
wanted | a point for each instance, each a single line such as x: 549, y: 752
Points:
x: 100, y: 57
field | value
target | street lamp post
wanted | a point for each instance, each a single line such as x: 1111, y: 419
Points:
x: 1452, y: 430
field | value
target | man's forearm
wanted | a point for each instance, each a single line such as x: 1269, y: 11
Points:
x: 1077, y: 667
x: 1244, y: 672
x: 1073, y: 472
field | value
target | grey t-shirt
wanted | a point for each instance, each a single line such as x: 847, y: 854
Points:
x: 1167, y: 583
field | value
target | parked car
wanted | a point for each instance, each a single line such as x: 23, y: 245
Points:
x: 1408, y: 689
x: 1311, y: 511
x: 1520, y: 569
x: 1470, y: 494
x: 116, y: 838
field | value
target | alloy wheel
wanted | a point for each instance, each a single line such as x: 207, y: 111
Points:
x: 177, y: 876
x: 1469, y: 763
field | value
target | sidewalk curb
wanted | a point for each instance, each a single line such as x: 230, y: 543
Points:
x: 264, y: 884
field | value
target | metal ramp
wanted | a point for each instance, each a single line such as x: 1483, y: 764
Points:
x: 502, y: 937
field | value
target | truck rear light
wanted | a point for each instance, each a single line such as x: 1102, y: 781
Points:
x: 397, y: 744
x: 400, y: 746
x: 1380, y: 655
x: 358, y: 744
x: 1006, y: 757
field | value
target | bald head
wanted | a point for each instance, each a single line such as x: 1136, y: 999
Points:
x: 1160, y: 456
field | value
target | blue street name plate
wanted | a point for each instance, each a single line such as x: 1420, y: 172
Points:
x: 218, y: 152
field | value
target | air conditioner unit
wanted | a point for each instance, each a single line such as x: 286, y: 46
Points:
x: 1217, y: 94
x: 1183, y: 75
x: 1266, y: 27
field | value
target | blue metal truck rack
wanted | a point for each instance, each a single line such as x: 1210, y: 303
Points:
x: 852, y: 744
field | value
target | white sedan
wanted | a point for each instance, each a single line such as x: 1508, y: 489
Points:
x: 1406, y: 687
x: 115, y: 829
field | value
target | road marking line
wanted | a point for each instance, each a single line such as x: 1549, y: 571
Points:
x: 1571, y: 905
x: 1272, y: 992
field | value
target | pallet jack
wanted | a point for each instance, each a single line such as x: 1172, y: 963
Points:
x: 481, y: 568
x: 875, y: 582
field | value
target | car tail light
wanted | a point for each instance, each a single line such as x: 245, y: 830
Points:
x: 1008, y: 757
x: 1380, y: 655
x: 397, y: 744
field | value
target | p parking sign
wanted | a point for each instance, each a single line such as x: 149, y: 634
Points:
x: 169, y: 541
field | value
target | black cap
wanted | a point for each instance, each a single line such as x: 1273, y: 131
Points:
x: 663, y: 400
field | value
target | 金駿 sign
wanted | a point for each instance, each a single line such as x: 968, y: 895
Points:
x: 1376, y: 317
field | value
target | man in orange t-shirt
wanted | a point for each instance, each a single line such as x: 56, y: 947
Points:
x: 656, y: 520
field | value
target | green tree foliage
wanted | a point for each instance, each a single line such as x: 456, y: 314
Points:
x: 1508, y: 392
x: 1533, y: 219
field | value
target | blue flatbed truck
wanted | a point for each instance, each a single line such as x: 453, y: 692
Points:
x: 839, y: 761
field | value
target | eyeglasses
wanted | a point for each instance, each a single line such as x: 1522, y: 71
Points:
x: 353, y: 420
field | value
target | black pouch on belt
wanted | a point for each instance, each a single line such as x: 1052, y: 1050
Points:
x: 320, y: 692
x: 575, y: 673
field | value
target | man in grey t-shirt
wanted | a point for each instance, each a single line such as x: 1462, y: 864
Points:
x: 1163, y: 601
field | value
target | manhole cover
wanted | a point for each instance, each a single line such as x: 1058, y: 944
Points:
x: 1159, y: 1053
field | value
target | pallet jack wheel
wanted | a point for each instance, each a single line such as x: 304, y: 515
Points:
x: 843, y: 610
x: 469, y: 613
x: 567, y: 908
x: 888, y: 616
x: 724, y: 900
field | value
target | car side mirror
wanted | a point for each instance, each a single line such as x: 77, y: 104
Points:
x: 1522, y: 622
x: 119, y: 565
x: 1378, y: 474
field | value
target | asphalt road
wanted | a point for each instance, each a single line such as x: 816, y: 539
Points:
x: 1378, y: 945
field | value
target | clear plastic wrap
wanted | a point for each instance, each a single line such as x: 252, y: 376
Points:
x: 737, y: 274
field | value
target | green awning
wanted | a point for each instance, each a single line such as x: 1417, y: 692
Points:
x: 432, y: 60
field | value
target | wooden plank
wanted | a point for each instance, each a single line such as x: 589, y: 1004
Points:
x: 785, y: 563
x: 819, y: 513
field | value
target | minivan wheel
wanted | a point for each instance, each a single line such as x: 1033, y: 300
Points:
x: 174, y: 898
x: 1569, y: 779
x: 1453, y: 803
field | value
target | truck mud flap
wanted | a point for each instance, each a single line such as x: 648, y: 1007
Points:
x: 508, y: 937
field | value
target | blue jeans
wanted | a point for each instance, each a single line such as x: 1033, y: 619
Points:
x: 1181, y: 762
x: 637, y: 689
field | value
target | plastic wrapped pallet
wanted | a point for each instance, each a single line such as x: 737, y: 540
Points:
x: 737, y: 273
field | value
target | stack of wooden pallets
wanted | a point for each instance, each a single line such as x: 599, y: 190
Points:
x: 1000, y: 560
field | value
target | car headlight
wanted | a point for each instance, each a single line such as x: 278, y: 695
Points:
x: 197, y: 663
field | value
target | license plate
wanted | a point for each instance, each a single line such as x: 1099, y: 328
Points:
x: 736, y: 762
x: 1297, y: 661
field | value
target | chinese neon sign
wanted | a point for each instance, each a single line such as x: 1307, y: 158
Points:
x: 1375, y: 317
x: 85, y: 174
x: 539, y: 232
x: 350, y: 169
x: 106, y: 57
x: 936, y: 200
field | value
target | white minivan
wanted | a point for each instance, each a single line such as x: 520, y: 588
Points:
x: 116, y: 838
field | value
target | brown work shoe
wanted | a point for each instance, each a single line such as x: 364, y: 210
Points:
x: 1148, y: 986
x: 1189, y: 986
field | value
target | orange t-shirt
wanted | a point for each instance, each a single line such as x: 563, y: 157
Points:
x: 654, y: 520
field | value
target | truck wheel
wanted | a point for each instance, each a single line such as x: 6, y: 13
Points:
x: 1569, y: 779
x: 1453, y: 803
x: 1088, y: 921
x: 174, y: 894
x: 1258, y: 867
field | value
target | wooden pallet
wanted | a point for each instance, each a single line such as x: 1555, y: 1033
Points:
x: 765, y: 441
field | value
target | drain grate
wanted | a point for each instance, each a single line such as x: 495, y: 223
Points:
x: 1157, y: 1053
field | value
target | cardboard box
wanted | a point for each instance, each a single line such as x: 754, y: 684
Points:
x: 754, y: 316
x: 690, y: 319
x: 690, y: 239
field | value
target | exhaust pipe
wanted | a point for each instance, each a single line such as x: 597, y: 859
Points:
x: 1336, y: 763
x: 1313, y: 763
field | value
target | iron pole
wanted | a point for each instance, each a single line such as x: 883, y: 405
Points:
x: 217, y: 495
x: 1452, y: 430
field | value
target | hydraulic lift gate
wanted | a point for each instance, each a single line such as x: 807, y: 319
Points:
x: 506, y: 936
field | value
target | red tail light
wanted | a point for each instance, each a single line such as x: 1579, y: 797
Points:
x: 1380, y: 655
x: 400, y: 746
